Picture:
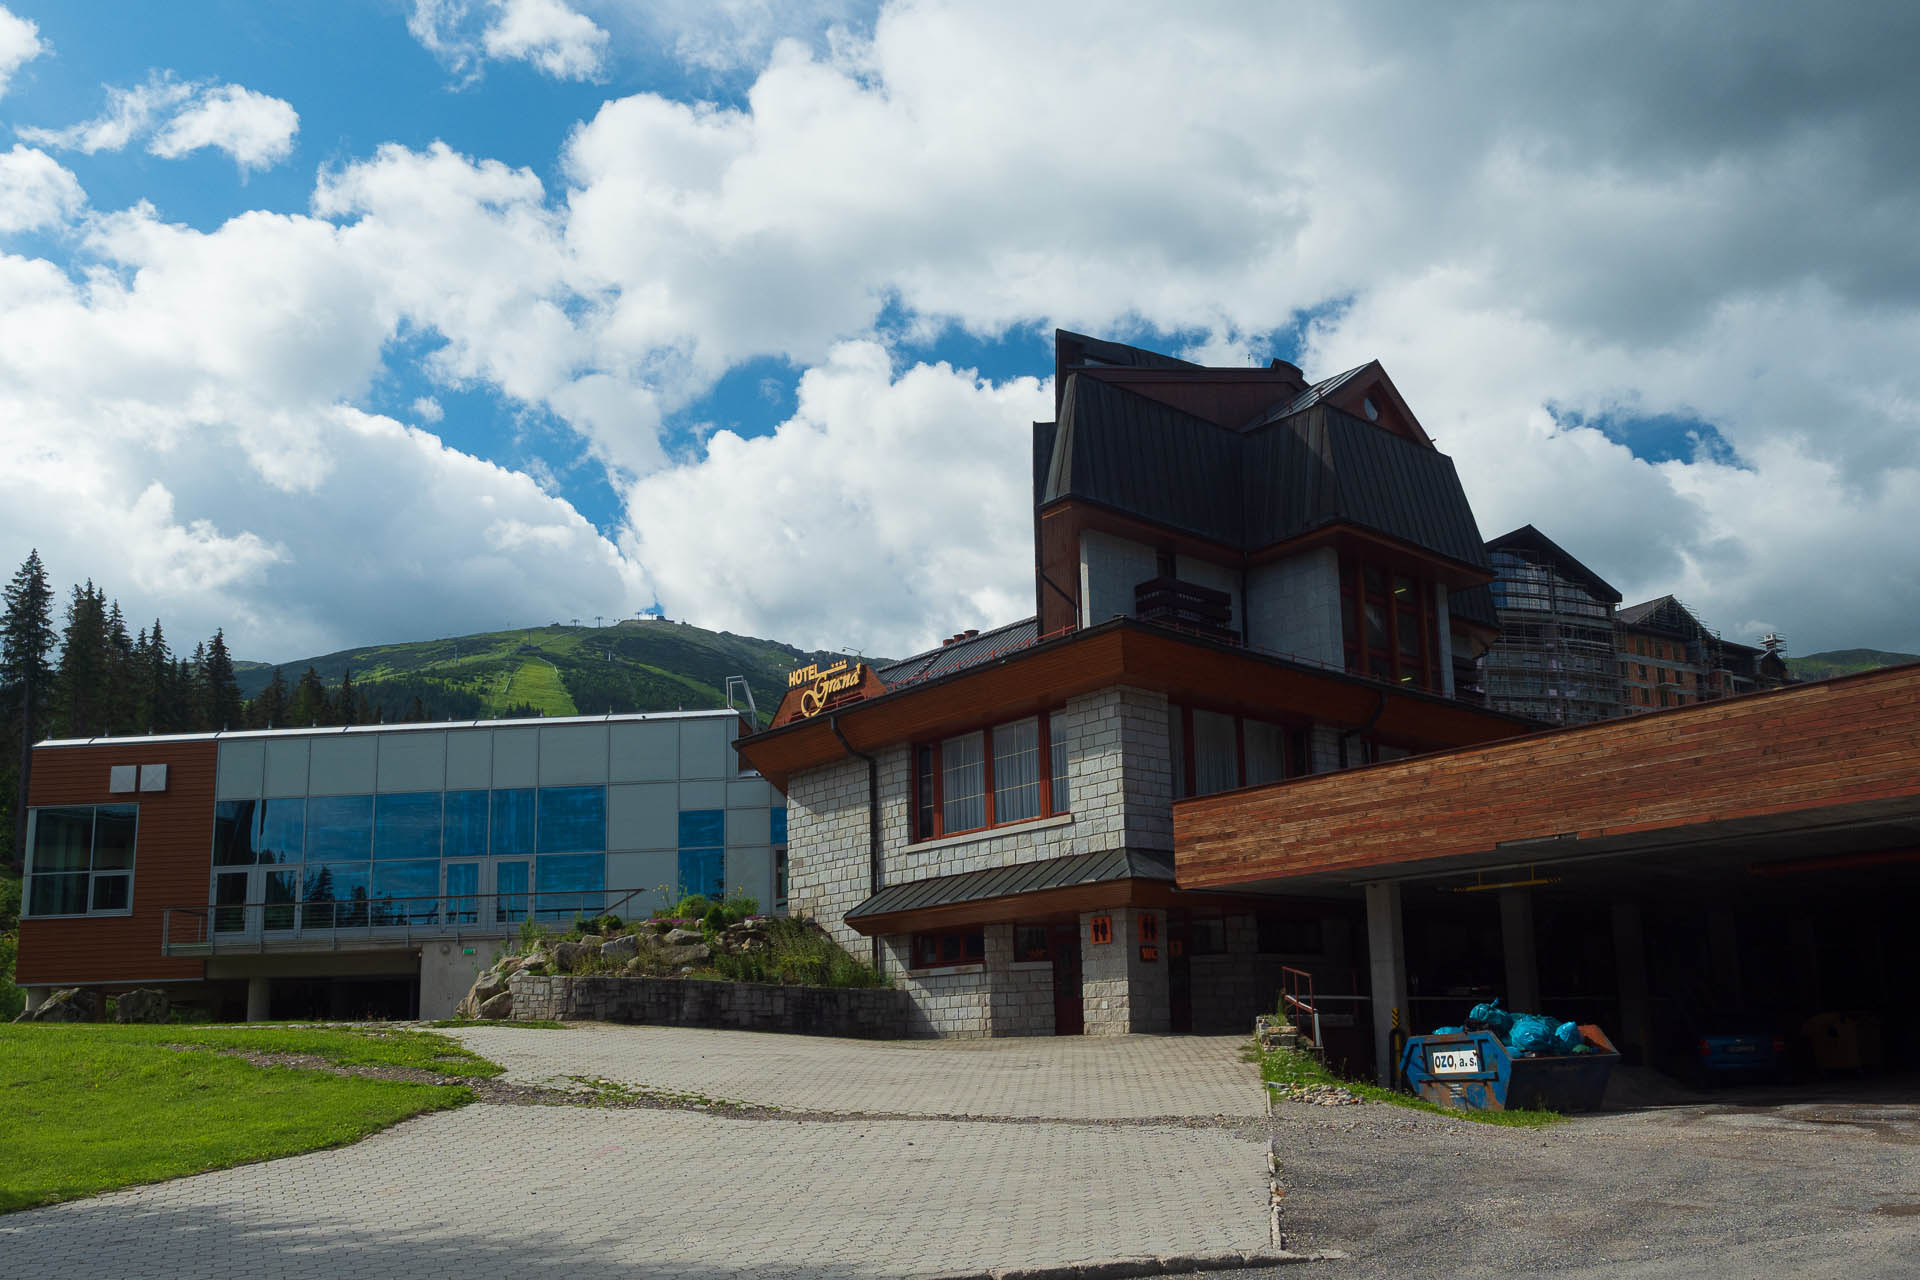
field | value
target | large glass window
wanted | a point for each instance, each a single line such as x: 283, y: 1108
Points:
x: 406, y: 826
x: 1213, y: 751
x: 466, y: 824
x: 406, y: 892
x: 573, y: 819
x: 1265, y: 754
x: 335, y: 894
x: 1216, y: 758
x: 1057, y: 731
x: 80, y: 860
x: 777, y: 823
x: 512, y: 822
x: 510, y: 884
x: 283, y: 830
x: 236, y: 830
x: 570, y: 884
x: 339, y: 828
x: 703, y: 860
x: 1390, y: 625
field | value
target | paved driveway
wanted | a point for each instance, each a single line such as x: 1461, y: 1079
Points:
x: 1071, y: 1155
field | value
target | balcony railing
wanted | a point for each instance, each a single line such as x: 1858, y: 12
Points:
x: 366, y: 921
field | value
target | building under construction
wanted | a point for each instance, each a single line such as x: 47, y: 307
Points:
x: 1557, y: 658
x: 1669, y: 658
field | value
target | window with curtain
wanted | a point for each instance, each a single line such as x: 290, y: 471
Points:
x: 963, y: 782
x: 1016, y: 771
x: 1216, y: 756
x: 1265, y: 754
x: 1013, y: 772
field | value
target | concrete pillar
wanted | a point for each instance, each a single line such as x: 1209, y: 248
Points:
x: 257, y: 1003
x: 1387, y: 962
x: 37, y: 996
x: 1516, y: 942
x: 1723, y: 953
x: 1635, y: 1032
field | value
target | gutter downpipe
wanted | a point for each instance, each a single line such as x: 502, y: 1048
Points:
x: 873, y: 816
x: 1379, y: 709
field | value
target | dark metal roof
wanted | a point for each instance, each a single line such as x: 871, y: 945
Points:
x: 1474, y: 604
x: 1526, y: 537
x: 1078, y: 351
x: 1664, y: 612
x: 1313, y: 395
x: 961, y: 654
x: 1253, y: 489
x: 1021, y: 877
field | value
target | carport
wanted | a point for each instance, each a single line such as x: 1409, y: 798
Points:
x: 1757, y: 850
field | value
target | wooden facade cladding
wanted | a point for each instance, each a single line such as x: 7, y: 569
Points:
x: 1125, y: 651
x: 173, y: 863
x: 1806, y: 748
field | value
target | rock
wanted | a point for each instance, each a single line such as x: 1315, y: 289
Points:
x: 501, y: 1006
x: 510, y: 966
x: 73, y: 1004
x: 567, y: 955
x: 486, y: 989
x: 620, y: 949
x: 683, y: 938
x: 689, y: 954
x: 142, y: 1004
x: 534, y: 960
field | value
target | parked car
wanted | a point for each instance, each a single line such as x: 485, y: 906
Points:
x: 1730, y: 1045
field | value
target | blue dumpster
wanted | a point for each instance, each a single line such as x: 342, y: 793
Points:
x: 1473, y: 1070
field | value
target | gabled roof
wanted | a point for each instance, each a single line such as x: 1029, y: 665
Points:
x: 1663, y: 612
x: 1526, y: 537
x: 961, y: 654
x: 1078, y: 351
x: 1253, y: 489
x: 1317, y: 392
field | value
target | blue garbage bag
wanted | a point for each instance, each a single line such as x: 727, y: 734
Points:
x: 1567, y: 1038
x: 1490, y: 1017
x: 1448, y: 1031
x: 1533, y: 1036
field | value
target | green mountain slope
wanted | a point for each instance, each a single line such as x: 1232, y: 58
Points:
x: 632, y: 666
x: 1839, y: 662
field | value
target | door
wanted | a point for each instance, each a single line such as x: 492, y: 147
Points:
x: 249, y: 900
x: 462, y: 893
x: 1179, y: 974
x: 1069, y: 1013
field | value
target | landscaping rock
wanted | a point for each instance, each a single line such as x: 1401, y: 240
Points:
x: 691, y: 953
x: 500, y: 1006
x: 73, y: 1004
x: 142, y: 1005
x: 683, y: 938
x: 488, y: 986
x: 620, y: 949
x: 567, y: 955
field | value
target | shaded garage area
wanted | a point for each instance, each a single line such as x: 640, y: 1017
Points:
x: 1725, y: 887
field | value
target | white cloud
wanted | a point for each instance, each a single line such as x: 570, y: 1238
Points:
x: 253, y: 128
x: 179, y: 117
x: 36, y: 191
x: 887, y: 511
x: 20, y: 43
x: 550, y: 35
x: 427, y: 409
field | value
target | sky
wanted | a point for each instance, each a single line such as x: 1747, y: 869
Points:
x: 376, y: 320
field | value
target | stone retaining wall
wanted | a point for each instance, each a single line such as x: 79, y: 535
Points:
x: 868, y: 1013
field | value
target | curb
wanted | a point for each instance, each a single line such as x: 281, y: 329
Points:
x: 1173, y: 1264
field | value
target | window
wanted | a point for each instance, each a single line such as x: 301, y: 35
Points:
x: 1207, y: 936
x: 339, y: 827
x: 1288, y: 935
x: 777, y: 823
x: 573, y: 819
x: 283, y: 831
x: 957, y: 946
x: 80, y: 860
x: 1213, y: 751
x: 1030, y: 942
x: 235, y: 833
x: 406, y: 826
x: 569, y: 884
x: 466, y: 825
x: 1390, y: 624
x: 779, y: 879
x: 1216, y: 755
x: 703, y: 835
x: 512, y: 833
x: 510, y: 888
x: 1009, y: 773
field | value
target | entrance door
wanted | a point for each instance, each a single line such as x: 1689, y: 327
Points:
x: 232, y: 891
x: 248, y: 900
x: 1069, y: 1013
x: 1179, y: 973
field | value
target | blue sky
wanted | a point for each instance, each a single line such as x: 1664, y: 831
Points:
x: 385, y: 319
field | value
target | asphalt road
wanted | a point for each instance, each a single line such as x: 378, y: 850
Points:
x: 1742, y: 1183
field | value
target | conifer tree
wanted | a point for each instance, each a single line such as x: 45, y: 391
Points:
x: 158, y: 683
x: 27, y: 680
x: 84, y: 665
x: 346, y: 706
x: 310, y: 705
x: 121, y: 691
x: 223, y: 708
x: 270, y: 708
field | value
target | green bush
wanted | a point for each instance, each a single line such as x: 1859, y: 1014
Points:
x: 798, y: 953
x: 12, y: 998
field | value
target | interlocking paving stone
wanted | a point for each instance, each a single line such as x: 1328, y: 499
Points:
x: 539, y: 1191
x: 1065, y: 1077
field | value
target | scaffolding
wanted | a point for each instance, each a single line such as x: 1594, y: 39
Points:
x: 1557, y: 659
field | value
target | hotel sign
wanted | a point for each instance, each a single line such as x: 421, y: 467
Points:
x: 811, y: 688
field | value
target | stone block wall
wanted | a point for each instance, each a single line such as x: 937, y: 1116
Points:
x: 874, y: 1013
x: 1293, y: 606
x: 827, y: 851
x: 951, y: 1001
x: 1122, y: 993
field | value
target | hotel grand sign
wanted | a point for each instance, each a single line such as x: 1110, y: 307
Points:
x: 812, y: 688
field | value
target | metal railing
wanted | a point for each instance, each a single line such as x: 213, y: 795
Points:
x: 1296, y: 993
x: 251, y: 926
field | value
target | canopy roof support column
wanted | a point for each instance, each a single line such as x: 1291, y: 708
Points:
x: 1387, y: 959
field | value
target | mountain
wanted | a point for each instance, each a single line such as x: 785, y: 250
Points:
x: 1840, y: 662
x: 640, y: 665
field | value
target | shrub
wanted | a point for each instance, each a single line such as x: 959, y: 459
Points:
x: 798, y: 953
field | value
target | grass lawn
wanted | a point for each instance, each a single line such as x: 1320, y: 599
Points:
x: 537, y: 683
x: 1290, y: 1066
x: 88, y: 1108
